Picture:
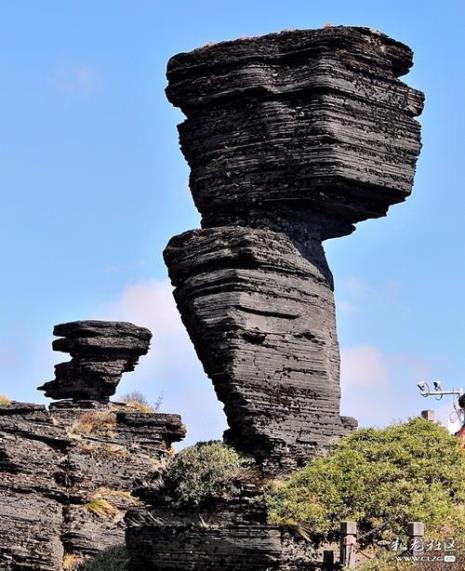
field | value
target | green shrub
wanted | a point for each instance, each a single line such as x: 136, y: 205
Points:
x: 113, y: 559
x: 381, y: 478
x: 205, y: 471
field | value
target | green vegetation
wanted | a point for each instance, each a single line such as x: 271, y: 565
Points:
x: 206, y: 471
x: 387, y: 561
x: 381, y: 478
x: 114, y: 559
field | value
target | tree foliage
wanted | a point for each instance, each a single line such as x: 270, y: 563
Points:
x: 381, y: 478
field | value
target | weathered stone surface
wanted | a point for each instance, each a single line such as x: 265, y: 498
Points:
x: 53, y: 474
x: 292, y: 138
x: 101, y: 352
x: 32, y: 454
x: 104, y: 465
x: 262, y: 320
x: 231, y: 536
x: 316, y: 121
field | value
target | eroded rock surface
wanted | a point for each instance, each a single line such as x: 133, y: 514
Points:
x: 262, y: 319
x: 317, y: 119
x: 32, y: 494
x: 292, y: 138
x: 65, y: 483
x: 67, y: 473
x: 231, y: 536
x: 101, y: 352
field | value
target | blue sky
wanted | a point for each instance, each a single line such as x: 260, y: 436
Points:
x: 93, y: 185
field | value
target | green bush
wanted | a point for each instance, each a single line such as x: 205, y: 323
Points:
x: 203, y: 472
x: 113, y: 559
x: 381, y: 478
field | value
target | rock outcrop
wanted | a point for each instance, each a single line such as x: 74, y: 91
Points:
x: 316, y: 121
x: 292, y: 138
x: 67, y: 473
x: 262, y: 319
x: 231, y: 536
x: 32, y: 490
x: 101, y: 352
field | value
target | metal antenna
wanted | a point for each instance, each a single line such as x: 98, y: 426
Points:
x: 438, y: 393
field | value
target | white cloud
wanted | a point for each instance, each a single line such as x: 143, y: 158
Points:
x: 355, y: 294
x: 81, y: 80
x: 363, y: 366
x: 380, y: 388
x: 171, y: 368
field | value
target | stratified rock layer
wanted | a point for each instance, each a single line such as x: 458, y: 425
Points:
x: 302, y: 134
x: 59, y: 467
x: 32, y: 455
x: 262, y: 320
x: 312, y: 120
x: 101, y: 352
x: 227, y: 536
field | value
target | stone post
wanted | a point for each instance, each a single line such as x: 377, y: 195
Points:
x: 348, y: 544
x: 328, y: 561
x: 416, y: 532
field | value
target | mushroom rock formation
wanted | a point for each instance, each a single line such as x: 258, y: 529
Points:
x: 305, y: 131
x: 101, y: 352
x: 292, y: 138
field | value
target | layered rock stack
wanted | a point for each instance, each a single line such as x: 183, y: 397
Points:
x: 292, y: 138
x: 101, y: 352
x: 67, y: 473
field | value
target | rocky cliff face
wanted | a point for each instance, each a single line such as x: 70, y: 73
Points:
x: 32, y: 491
x: 292, y: 138
x: 315, y: 120
x: 232, y: 536
x: 67, y: 473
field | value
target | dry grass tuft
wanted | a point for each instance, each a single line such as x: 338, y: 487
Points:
x: 95, y: 422
x: 71, y: 562
x: 138, y: 402
x: 87, y: 448
x: 116, y: 496
x: 114, y: 450
x: 106, y: 503
x: 102, y: 508
x: 4, y: 401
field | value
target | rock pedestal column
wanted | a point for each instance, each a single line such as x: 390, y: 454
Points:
x: 292, y: 138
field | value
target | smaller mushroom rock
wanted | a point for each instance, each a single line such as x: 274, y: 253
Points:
x: 101, y: 352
